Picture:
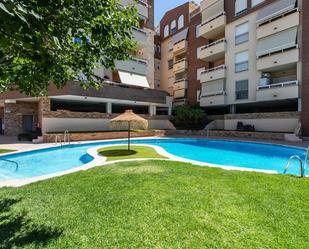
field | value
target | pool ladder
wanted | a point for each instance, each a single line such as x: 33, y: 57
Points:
x: 10, y: 161
x: 302, y: 167
x: 66, y: 139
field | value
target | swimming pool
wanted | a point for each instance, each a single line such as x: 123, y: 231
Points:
x: 251, y: 155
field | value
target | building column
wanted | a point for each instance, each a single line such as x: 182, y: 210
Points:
x: 170, y: 110
x: 232, y: 109
x: 109, y: 108
x: 152, y: 110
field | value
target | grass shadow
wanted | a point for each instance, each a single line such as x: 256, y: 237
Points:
x: 117, y: 153
x: 18, y: 230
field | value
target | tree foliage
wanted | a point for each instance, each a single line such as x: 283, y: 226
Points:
x: 37, y: 41
x: 189, y: 118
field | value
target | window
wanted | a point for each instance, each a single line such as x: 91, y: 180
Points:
x: 166, y: 30
x: 181, y: 20
x: 173, y: 27
x: 241, y: 61
x: 242, y: 33
x: 170, y: 64
x: 240, y: 6
x: 256, y: 2
x: 242, y: 89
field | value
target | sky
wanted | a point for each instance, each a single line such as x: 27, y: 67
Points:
x: 162, y: 6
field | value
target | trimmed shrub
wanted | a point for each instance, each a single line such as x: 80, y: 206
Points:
x: 189, y: 118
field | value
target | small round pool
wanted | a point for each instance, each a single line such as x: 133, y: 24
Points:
x: 250, y: 155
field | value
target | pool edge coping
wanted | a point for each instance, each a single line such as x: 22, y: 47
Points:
x: 100, y: 161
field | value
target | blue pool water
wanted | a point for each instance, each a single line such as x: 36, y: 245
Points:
x: 220, y: 152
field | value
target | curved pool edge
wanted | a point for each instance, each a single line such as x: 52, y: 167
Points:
x: 100, y: 161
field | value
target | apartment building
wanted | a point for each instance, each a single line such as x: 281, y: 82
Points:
x: 178, y: 53
x: 239, y: 56
x: 130, y: 86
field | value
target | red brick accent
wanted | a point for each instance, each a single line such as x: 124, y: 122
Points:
x: 13, y: 116
x: 173, y: 15
x: 194, y: 63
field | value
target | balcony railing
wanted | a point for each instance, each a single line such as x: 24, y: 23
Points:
x: 213, y: 44
x: 214, y: 69
x: 278, y: 85
x: 217, y: 93
x: 213, y: 18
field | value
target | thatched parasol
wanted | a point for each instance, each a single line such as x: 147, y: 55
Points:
x: 129, y: 117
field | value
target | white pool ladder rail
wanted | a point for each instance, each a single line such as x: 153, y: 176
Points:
x: 302, y: 169
x: 66, y: 137
x: 10, y: 161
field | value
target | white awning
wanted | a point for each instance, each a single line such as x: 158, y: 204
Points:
x: 275, y: 9
x: 133, y: 79
x: 277, y: 42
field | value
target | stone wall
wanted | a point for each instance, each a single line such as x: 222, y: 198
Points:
x: 50, y: 138
x: 13, y: 116
x: 229, y: 134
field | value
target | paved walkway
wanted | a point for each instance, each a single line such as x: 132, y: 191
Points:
x: 12, y: 143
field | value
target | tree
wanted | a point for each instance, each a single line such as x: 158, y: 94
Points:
x: 44, y: 41
x: 189, y: 118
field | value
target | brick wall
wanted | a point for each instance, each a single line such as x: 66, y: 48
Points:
x: 194, y: 63
x: 13, y: 116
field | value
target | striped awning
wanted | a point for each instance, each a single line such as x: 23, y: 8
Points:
x: 182, y: 35
x: 276, y: 8
x: 277, y: 42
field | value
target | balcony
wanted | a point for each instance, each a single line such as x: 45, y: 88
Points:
x: 207, y: 3
x: 214, y: 27
x: 142, y: 7
x: 213, y: 51
x: 212, y: 74
x: 180, y: 84
x: 281, y: 91
x: 278, y: 60
x: 135, y: 66
x: 213, y: 99
x: 277, y: 25
x: 180, y: 47
x: 140, y: 36
x: 180, y: 66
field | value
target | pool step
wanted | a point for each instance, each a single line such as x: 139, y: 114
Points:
x: 38, y: 140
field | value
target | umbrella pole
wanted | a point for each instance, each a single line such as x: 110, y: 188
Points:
x: 129, y: 128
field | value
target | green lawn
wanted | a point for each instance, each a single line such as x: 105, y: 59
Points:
x: 157, y: 204
x: 5, y: 151
x: 121, y: 152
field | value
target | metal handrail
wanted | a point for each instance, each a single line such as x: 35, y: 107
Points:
x: 56, y: 140
x: 66, y: 137
x: 302, y: 171
x: 10, y: 161
x: 278, y: 85
x: 214, y: 69
x: 213, y: 44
